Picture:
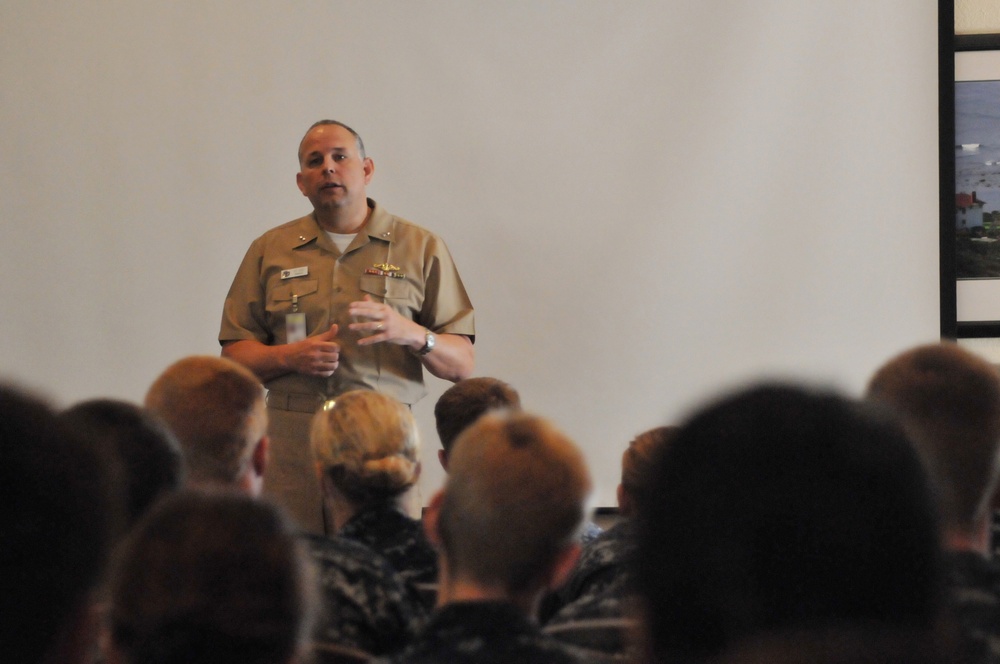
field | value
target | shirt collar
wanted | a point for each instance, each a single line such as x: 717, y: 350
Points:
x: 378, y: 227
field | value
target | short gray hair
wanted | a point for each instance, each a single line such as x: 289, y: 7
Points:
x: 320, y: 123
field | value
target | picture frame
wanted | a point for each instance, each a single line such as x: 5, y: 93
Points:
x: 970, y: 185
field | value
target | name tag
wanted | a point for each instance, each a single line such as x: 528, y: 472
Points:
x: 295, y: 272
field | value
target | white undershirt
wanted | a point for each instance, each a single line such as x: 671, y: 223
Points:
x: 341, y: 240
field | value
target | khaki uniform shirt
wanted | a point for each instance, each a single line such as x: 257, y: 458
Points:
x: 391, y: 259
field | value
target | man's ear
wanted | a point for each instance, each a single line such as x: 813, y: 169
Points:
x: 261, y: 456
x: 443, y: 459
x: 562, y: 566
x: 431, y: 518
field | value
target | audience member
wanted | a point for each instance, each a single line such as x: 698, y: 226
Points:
x: 366, y: 446
x: 217, y: 407
x: 55, y: 533
x: 211, y: 577
x: 505, y: 523
x: 948, y: 400
x: 464, y: 402
x: 776, y: 510
x: 600, y: 586
x: 146, y: 455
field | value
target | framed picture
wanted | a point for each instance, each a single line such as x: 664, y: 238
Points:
x: 970, y: 179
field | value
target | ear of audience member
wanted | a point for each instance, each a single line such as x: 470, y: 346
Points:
x: 506, y: 524
x: 211, y: 577
x: 56, y: 525
x: 216, y: 409
x: 464, y: 402
x: 148, y: 456
x: 777, y: 508
x: 366, y: 446
x: 948, y: 400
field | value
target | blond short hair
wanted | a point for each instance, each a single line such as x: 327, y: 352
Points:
x: 215, y: 407
x: 515, y: 498
x: 367, y: 443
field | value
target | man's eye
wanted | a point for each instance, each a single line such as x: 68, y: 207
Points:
x: 340, y: 157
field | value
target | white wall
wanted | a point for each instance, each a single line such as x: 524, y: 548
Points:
x: 648, y: 200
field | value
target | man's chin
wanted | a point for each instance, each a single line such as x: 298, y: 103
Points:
x: 329, y: 203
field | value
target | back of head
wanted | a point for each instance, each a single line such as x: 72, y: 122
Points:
x: 55, y: 528
x: 776, y: 509
x: 514, y: 498
x: 213, y: 578
x: 148, y: 456
x: 948, y: 400
x: 215, y: 407
x: 637, y: 459
x: 466, y: 401
x: 367, y: 443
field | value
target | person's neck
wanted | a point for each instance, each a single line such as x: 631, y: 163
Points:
x: 341, y: 220
x: 341, y: 509
x: 454, y: 590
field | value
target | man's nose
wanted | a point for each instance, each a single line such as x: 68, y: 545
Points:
x: 328, y: 164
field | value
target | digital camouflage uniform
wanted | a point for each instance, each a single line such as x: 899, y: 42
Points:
x: 596, y: 584
x: 974, y: 588
x: 599, y: 588
x: 590, y: 532
x: 483, y: 633
x: 365, y: 603
x: 389, y: 532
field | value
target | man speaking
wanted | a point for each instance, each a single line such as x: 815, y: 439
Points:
x: 347, y: 297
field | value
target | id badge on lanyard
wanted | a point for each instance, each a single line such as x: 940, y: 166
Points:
x: 295, y: 323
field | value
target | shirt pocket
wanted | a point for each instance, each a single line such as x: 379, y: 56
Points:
x: 374, y: 285
x: 280, y: 298
x: 401, y: 294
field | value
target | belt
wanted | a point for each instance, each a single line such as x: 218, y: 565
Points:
x: 300, y: 403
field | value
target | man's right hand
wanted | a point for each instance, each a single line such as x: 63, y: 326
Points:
x: 314, y: 356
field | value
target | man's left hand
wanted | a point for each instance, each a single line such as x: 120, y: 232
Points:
x: 383, y: 324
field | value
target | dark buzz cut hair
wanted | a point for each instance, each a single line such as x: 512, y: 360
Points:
x: 56, y: 518
x: 145, y: 454
x: 779, y: 508
x: 212, y: 577
x: 466, y: 401
x: 320, y: 123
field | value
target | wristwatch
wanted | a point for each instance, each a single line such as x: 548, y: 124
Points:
x: 429, y: 341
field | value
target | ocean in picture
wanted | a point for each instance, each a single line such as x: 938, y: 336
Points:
x: 977, y: 179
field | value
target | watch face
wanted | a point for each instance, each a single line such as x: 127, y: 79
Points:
x: 428, y: 344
